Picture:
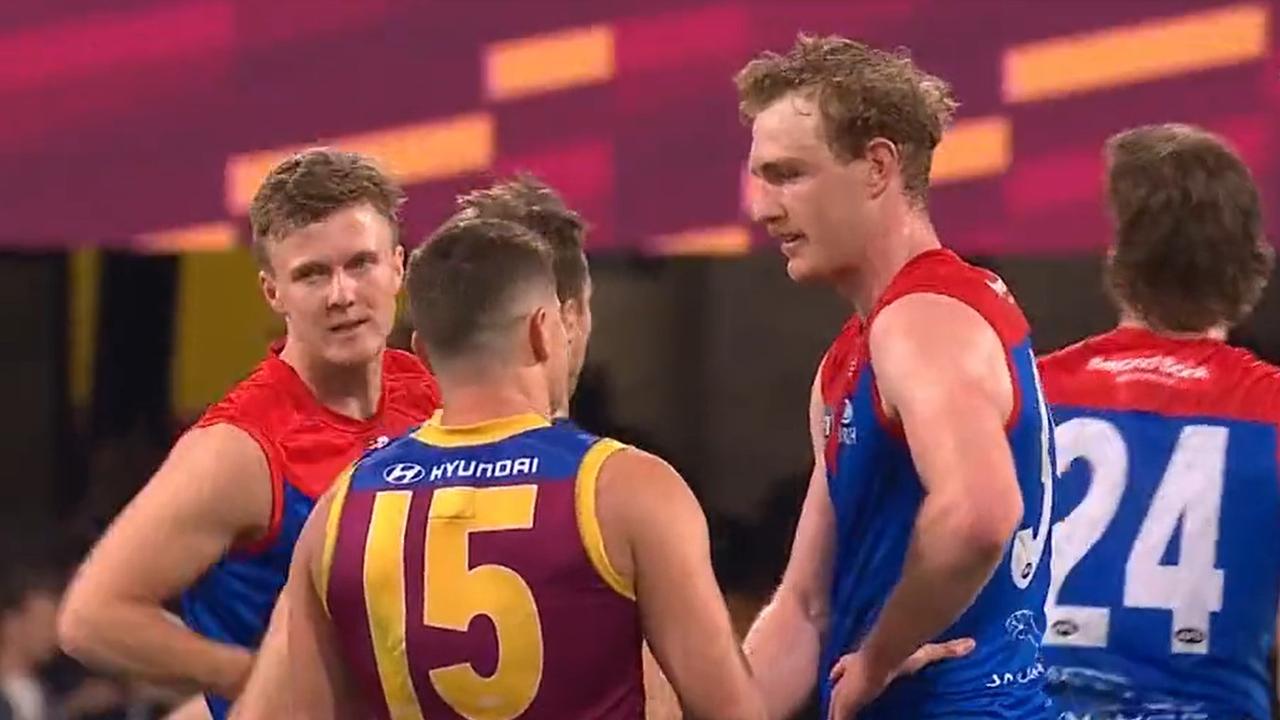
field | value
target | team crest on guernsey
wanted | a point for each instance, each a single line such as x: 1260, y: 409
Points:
x: 848, y: 432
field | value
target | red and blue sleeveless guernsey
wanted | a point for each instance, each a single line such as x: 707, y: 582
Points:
x: 876, y: 493
x: 306, y: 445
x: 465, y: 576
x: 1165, y: 578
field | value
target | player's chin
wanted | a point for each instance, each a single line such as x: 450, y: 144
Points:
x: 358, y: 350
x: 801, y: 270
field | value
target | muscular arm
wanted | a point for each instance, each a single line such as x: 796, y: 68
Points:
x: 656, y: 534
x: 213, y: 489
x: 298, y: 672
x: 942, y: 372
x: 784, y: 643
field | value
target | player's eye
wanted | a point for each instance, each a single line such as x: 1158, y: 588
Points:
x: 310, y: 273
x: 781, y: 174
x: 361, y: 261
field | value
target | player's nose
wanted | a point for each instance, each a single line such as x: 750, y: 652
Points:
x: 765, y: 207
x: 342, y: 290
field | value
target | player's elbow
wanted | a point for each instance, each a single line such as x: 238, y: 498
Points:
x: 984, y: 525
x: 802, y: 604
x: 84, y: 622
x: 78, y: 626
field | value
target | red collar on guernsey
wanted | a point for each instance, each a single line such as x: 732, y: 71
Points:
x: 297, y: 388
x: 896, y: 287
x: 1136, y: 335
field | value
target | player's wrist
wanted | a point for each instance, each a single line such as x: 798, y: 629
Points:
x: 881, y: 659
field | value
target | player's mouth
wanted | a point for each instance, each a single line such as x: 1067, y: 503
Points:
x: 346, y: 327
x: 790, y: 242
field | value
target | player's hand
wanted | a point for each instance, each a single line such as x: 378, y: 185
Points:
x: 935, y: 652
x: 858, y: 681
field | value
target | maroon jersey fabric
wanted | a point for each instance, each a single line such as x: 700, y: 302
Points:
x: 466, y: 578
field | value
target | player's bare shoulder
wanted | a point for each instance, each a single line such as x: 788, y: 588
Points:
x: 634, y: 482
x: 929, y: 340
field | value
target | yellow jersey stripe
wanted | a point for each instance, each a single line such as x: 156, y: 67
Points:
x: 589, y: 523
x: 384, y: 582
x: 433, y: 433
x: 334, y: 519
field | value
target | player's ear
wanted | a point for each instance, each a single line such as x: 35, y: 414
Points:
x: 884, y: 163
x: 397, y: 256
x: 540, y: 334
x: 270, y: 290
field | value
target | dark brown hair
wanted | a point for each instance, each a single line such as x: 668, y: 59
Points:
x: 308, y: 187
x: 862, y: 93
x: 527, y: 201
x: 1189, y: 249
x: 464, y: 279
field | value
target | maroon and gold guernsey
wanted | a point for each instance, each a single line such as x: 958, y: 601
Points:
x: 465, y: 574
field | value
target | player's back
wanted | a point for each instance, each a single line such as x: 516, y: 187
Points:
x: 1165, y: 584
x: 876, y: 493
x: 466, y: 577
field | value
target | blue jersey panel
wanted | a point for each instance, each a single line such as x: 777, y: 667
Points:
x: 232, y: 602
x: 553, y: 453
x: 876, y: 495
x: 1165, y: 588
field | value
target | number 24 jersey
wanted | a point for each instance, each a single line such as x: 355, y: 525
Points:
x: 1164, y: 571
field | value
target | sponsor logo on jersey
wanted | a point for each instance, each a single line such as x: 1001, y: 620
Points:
x: 403, y: 473
x: 478, y: 469
x: 1021, y: 626
x: 1157, y: 364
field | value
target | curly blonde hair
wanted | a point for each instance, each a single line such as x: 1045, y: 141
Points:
x: 862, y: 93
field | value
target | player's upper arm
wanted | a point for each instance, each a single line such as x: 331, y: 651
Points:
x: 807, y: 577
x: 942, y: 372
x: 685, y: 620
x: 212, y: 490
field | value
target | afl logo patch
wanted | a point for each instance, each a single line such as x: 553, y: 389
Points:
x: 1065, y: 628
x: 403, y: 474
x: 1190, y: 636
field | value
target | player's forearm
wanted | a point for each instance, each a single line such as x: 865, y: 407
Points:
x: 660, y: 701
x: 954, y: 550
x: 782, y: 649
x: 145, y: 643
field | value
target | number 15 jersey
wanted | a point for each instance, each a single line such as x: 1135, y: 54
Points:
x: 466, y: 577
x: 1164, y: 571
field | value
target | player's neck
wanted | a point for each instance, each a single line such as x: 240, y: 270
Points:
x: 1216, y: 332
x: 479, y: 397
x: 885, y: 257
x: 350, y: 390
